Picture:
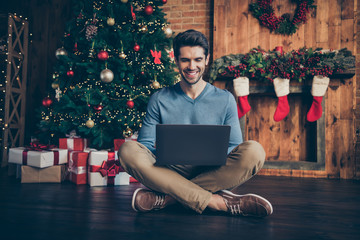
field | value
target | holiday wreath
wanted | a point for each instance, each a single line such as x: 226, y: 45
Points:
x: 264, y: 12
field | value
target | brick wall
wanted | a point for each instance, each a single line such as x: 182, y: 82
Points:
x: 190, y: 14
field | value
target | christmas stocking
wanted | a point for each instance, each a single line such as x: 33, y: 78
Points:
x: 241, y: 87
x: 281, y: 86
x: 318, y: 90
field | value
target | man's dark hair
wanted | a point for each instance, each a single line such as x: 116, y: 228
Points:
x: 190, y: 38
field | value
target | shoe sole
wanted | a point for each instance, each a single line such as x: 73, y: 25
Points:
x: 133, y: 199
x: 250, y: 194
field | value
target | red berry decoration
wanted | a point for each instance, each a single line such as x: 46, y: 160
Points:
x: 103, y: 55
x: 136, y: 47
x: 148, y: 10
x: 47, y: 101
x: 70, y: 73
x: 130, y: 104
x: 98, y: 108
x: 164, y: 1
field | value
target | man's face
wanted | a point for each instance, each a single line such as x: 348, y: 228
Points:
x: 191, y: 63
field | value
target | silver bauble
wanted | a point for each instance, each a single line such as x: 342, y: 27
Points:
x: 106, y: 75
x: 60, y: 52
x: 168, y: 31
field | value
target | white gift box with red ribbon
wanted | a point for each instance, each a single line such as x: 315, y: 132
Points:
x: 39, y: 159
x: 104, y: 169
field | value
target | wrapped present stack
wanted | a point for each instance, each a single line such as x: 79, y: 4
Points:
x: 40, y: 163
x: 72, y: 161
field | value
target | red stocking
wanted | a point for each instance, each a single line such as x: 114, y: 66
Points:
x: 243, y: 106
x: 315, y: 111
x: 282, y: 109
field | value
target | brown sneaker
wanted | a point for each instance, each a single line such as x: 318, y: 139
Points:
x: 246, y: 205
x: 144, y: 200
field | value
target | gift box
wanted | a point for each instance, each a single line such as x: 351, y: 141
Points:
x: 104, y: 169
x: 132, y: 179
x: 77, y: 167
x: 119, y: 142
x: 38, y: 158
x: 73, y: 144
x: 54, y: 174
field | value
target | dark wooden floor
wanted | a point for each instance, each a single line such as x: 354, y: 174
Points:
x: 303, y: 209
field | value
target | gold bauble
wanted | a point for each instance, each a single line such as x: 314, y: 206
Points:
x: 143, y: 29
x: 90, y: 123
x: 127, y: 132
x: 124, y: 1
x: 110, y: 21
x: 156, y: 84
x: 168, y: 31
x: 55, y: 85
x: 122, y: 55
x: 106, y: 75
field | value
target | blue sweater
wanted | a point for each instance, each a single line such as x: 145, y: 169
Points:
x: 171, y: 105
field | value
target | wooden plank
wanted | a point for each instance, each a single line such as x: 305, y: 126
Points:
x: 293, y: 173
x: 347, y: 149
x: 347, y: 9
x: 347, y: 34
x: 310, y: 30
x: 347, y: 99
x: 219, y: 48
x: 322, y: 21
x: 254, y: 30
x: 334, y: 37
x: 332, y: 130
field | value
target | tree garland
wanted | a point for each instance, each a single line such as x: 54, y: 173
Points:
x: 264, y: 12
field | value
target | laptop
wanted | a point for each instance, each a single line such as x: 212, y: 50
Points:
x: 188, y: 144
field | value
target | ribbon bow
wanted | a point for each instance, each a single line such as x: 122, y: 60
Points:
x: 72, y: 135
x: 110, y: 168
x: 36, y: 146
x: 156, y: 55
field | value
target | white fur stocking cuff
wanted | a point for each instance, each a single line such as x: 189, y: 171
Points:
x: 282, y: 86
x: 319, y: 86
x: 241, y: 86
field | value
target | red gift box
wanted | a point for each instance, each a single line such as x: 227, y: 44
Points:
x: 119, y: 142
x: 77, y: 167
x: 73, y: 144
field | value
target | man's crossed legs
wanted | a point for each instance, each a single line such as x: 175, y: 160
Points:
x: 196, y: 187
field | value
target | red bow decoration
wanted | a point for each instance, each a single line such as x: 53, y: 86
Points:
x: 132, y: 13
x: 36, y: 146
x: 171, y: 54
x: 110, y: 168
x: 156, y: 55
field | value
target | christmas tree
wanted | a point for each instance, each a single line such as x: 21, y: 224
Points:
x: 115, y: 55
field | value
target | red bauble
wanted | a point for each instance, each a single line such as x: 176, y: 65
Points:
x: 148, y: 10
x: 164, y: 1
x: 46, y: 102
x: 103, y: 55
x: 136, y: 47
x: 98, y: 108
x: 70, y: 73
x: 130, y: 104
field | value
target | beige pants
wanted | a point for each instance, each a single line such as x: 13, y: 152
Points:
x: 190, y: 185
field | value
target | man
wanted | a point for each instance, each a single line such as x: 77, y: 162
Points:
x: 193, y: 101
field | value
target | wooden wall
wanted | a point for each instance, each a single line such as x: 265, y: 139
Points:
x: 331, y: 25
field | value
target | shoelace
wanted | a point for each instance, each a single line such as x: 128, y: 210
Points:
x: 159, y: 200
x: 235, y: 209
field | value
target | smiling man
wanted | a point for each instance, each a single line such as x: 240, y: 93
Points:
x: 194, y: 101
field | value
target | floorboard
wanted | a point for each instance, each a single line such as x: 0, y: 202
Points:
x: 303, y: 209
